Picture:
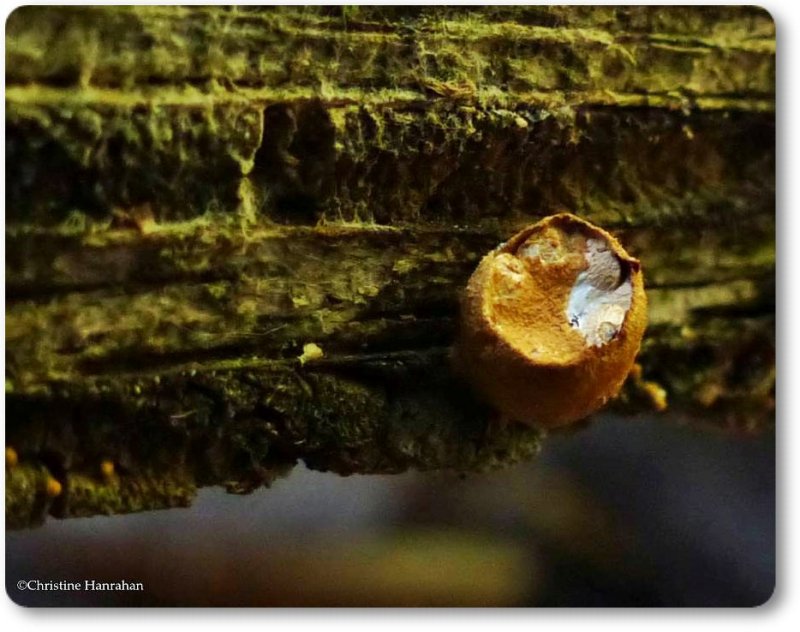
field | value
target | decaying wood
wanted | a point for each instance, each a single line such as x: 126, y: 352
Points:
x: 236, y: 237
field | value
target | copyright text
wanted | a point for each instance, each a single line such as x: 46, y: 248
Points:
x: 88, y: 585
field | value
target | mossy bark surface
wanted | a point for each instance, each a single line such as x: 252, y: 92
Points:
x: 236, y: 237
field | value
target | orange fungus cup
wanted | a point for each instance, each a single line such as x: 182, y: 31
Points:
x: 551, y: 322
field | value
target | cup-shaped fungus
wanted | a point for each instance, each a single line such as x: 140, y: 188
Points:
x: 551, y: 322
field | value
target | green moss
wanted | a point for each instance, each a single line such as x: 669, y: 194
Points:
x: 245, y: 425
x: 26, y: 501
x: 88, y: 496
x: 557, y: 49
x: 98, y: 156
x: 165, y: 106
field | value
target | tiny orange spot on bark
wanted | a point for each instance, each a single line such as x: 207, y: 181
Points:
x: 11, y: 457
x: 107, y: 468
x: 53, y: 487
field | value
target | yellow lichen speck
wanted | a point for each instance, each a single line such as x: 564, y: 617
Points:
x: 311, y: 351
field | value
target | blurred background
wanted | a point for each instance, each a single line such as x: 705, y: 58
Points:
x: 624, y: 512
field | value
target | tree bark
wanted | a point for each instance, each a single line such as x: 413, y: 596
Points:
x: 236, y: 237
